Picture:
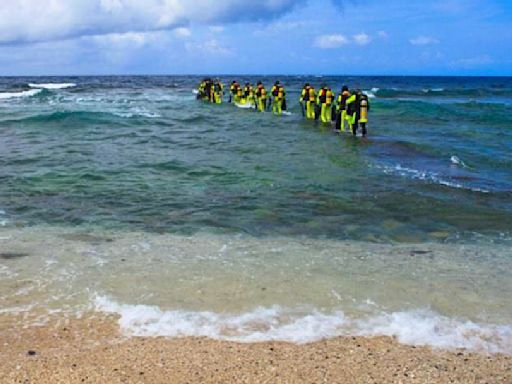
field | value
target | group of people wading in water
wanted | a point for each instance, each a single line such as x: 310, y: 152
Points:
x: 347, y: 111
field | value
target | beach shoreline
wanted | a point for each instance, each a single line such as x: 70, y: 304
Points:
x: 92, y: 349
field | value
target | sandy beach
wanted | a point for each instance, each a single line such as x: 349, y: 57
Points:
x: 92, y: 350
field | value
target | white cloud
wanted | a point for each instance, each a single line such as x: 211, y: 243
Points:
x: 280, y: 27
x: 137, y: 39
x: 209, y: 47
x: 330, y: 41
x: 383, y: 34
x: 472, y: 62
x: 362, y: 39
x: 423, y: 40
x: 216, y: 29
x: 182, y: 32
x: 36, y: 20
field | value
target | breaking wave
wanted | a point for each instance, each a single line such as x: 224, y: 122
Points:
x: 10, y: 95
x: 416, y: 327
x: 52, y: 85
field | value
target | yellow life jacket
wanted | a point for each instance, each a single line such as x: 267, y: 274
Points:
x: 261, y: 92
x: 312, y: 94
x: 325, y: 96
x: 305, y: 93
x: 278, y: 91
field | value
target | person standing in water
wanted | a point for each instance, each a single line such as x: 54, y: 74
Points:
x: 218, y: 92
x: 233, y: 91
x: 341, y: 109
x: 307, y: 99
x: 261, y: 97
x: 351, y: 106
x: 362, y: 109
x: 324, y: 101
x: 278, y: 101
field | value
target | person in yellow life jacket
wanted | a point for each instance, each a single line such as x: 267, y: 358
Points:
x: 218, y: 92
x: 201, y: 90
x: 261, y: 97
x: 325, y: 100
x: 307, y: 100
x: 209, y: 96
x: 239, y: 95
x: 362, y: 109
x: 341, y: 108
x: 279, y: 100
x: 351, y: 108
x: 233, y: 90
x: 205, y: 91
x: 248, y: 93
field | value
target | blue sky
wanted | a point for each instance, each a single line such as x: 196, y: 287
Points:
x: 371, y: 37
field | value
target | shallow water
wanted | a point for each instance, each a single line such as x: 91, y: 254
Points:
x: 126, y: 195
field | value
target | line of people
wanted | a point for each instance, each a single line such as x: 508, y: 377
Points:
x: 210, y: 90
x: 259, y: 97
x: 347, y: 110
x: 254, y: 97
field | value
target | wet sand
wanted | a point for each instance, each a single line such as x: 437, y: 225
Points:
x: 91, y: 350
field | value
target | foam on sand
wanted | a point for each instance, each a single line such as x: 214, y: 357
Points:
x: 419, y: 327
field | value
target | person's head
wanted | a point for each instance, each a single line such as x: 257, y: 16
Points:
x: 277, y: 82
x: 233, y: 82
x: 259, y: 83
x: 306, y: 85
x: 344, y: 89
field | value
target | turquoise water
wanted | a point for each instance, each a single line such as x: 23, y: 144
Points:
x: 207, y: 205
x: 141, y: 153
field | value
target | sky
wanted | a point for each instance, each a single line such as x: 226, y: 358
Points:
x: 322, y: 37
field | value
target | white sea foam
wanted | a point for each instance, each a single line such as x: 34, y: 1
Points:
x: 427, y: 176
x: 298, y: 326
x: 423, y: 327
x: 52, y: 85
x: 457, y: 161
x: 10, y: 95
x: 427, y: 90
x: 371, y: 94
x: 3, y: 220
x: 129, y: 115
x: 245, y: 106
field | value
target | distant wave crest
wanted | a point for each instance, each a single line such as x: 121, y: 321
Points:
x: 52, y: 85
x: 11, y: 95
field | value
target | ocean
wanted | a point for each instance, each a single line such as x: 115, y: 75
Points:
x: 127, y: 196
